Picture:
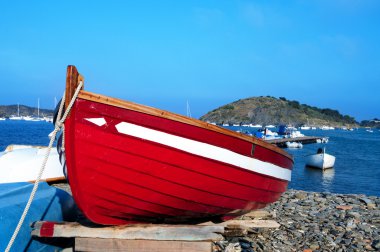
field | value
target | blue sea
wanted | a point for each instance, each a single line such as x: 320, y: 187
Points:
x: 356, y: 171
x: 357, y: 164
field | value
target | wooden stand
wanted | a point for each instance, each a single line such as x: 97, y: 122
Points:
x: 149, y: 237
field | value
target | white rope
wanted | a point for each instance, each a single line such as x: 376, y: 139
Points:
x: 58, y: 125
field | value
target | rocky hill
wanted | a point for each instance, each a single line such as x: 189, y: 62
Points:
x: 8, y: 110
x: 374, y: 123
x: 270, y: 110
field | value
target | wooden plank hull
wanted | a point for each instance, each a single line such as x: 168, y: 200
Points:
x: 130, y: 163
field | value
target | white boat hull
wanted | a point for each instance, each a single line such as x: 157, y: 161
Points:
x: 293, y: 145
x: 22, y: 163
x: 321, y: 161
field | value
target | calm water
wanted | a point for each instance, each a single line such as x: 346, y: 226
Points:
x: 24, y: 132
x: 357, y: 165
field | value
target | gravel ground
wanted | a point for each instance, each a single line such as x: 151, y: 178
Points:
x: 312, y: 221
x: 315, y: 222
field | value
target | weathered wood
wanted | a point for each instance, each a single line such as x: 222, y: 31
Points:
x: 246, y: 224
x: 235, y: 232
x: 72, y: 81
x: 203, y: 232
x: 258, y: 214
x: 115, y: 245
x: 136, y: 232
x: 235, y: 228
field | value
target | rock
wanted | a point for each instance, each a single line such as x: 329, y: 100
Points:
x: 366, y: 228
x: 376, y: 244
x: 366, y: 201
x: 347, y: 241
x: 316, y: 222
x: 344, y: 207
x: 353, y: 214
x: 350, y: 224
x: 301, y: 195
x: 233, y: 247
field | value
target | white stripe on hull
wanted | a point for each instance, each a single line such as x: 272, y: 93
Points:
x: 204, y: 150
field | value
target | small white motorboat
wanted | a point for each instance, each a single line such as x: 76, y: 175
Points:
x: 22, y: 163
x: 293, y: 145
x: 320, y: 160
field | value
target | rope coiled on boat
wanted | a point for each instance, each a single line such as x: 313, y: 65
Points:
x: 58, y: 126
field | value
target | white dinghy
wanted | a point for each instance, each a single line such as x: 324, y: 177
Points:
x: 294, y: 145
x: 22, y: 163
x: 321, y: 160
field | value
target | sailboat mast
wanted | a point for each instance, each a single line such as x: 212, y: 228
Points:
x: 38, y: 108
x: 188, y: 112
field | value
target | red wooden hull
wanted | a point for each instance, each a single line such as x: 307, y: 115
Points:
x: 127, y: 166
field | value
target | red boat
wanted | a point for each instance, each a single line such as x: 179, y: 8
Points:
x: 129, y: 163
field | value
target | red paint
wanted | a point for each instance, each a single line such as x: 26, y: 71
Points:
x: 47, y: 229
x: 119, y: 179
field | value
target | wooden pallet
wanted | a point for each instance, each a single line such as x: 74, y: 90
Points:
x: 148, y: 237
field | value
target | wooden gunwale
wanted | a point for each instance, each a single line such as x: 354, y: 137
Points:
x: 52, y: 180
x: 73, y: 78
x: 175, y: 117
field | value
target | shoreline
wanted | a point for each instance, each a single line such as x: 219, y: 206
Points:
x: 311, y: 221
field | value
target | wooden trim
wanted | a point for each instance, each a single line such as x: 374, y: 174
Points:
x: 175, y: 117
x: 72, y: 81
x: 52, y: 180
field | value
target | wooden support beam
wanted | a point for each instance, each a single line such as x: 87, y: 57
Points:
x: 130, y: 232
x: 256, y: 214
x: 116, y: 245
x: 149, y: 237
x: 246, y: 224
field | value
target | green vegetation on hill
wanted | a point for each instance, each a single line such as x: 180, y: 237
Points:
x: 8, y: 110
x: 374, y: 123
x: 270, y: 110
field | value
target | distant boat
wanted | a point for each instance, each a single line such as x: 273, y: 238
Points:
x: 324, y: 127
x: 21, y: 163
x: 320, y: 160
x: 2, y: 119
x: 131, y: 163
x: 31, y: 118
x: 294, y: 145
x: 48, y: 119
x: 322, y: 140
x: 18, y: 117
x: 295, y: 134
x: 15, y: 118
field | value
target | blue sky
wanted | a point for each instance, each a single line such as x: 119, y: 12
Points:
x: 322, y: 53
